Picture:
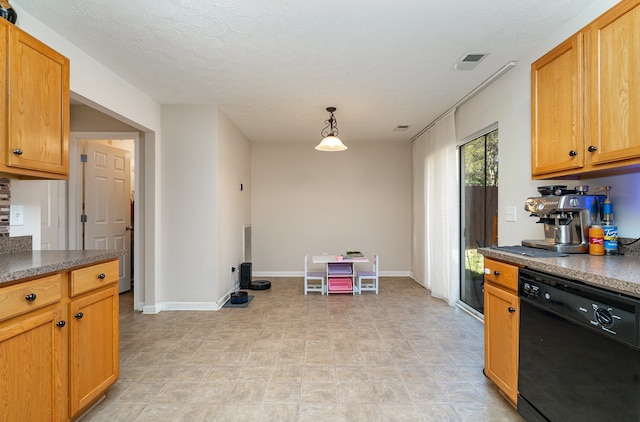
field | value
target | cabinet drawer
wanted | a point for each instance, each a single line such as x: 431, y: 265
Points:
x: 339, y: 268
x: 340, y: 284
x: 96, y: 276
x: 500, y: 273
x: 24, y: 297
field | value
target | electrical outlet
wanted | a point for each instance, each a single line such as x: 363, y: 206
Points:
x: 233, y: 270
x: 510, y: 214
x: 16, y: 215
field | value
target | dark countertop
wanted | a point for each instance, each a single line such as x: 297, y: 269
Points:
x: 620, y: 273
x: 15, y: 266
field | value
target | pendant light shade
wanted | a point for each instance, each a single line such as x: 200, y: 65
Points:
x: 330, y: 141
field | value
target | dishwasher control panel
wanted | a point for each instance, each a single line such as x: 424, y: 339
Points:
x: 612, y: 314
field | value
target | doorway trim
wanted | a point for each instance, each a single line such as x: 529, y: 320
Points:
x: 75, y: 201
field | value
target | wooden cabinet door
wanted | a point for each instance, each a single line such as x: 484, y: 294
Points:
x: 4, y: 60
x: 557, y: 141
x: 615, y: 88
x: 38, y: 106
x: 501, y: 324
x: 30, y: 368
x: 93, y: 346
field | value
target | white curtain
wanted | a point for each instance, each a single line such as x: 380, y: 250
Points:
x: 436, y: 210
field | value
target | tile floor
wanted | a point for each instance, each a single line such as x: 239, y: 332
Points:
x: 397, y: 356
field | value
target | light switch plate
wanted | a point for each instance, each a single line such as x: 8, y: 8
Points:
x: 16, y: 215
x: 510, y: 214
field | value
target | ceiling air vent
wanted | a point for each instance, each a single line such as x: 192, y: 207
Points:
x: 401, y: 128
x: 468, y: 61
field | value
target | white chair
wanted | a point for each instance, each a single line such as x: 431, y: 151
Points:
x: 313, y: 280
x: 370, y: 277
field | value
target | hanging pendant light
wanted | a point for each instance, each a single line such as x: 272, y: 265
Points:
x: 330, y: 141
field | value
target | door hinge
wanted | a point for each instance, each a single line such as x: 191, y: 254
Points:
x: 83, y: 218
x: 83, y: 158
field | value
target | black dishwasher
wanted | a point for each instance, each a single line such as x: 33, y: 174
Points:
x: 579, y: 353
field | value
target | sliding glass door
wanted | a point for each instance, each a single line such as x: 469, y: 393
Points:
x: 479, y: 212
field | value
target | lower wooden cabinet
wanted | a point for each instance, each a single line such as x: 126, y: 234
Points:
x: 31, y: 367
x: 59, y: 351
x: 93, y: 347
x: 501, y: 326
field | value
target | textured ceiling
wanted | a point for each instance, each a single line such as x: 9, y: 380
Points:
x: 275, y: 65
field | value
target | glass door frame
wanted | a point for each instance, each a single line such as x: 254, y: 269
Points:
x: 477, y: 284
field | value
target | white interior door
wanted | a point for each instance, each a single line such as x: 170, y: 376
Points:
x: 52, y: 211
x: 107, y: 206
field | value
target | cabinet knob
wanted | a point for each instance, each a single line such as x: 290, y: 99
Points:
x: 592, y: 148
x: 101, y: 276
x: 496, y: 273
x: 79, y: 315
x: 572, y: 153
x: 61, y: 324
x: 30, y: 297
x: 511, y: 309
x: 17, y: 151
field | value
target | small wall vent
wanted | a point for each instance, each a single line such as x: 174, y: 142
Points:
x: 468, y: 61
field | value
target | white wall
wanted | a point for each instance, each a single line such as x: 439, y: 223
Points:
x: 205, y: 159
x: 508, y: 102
x: 27, y: 193
x: 233, y: 204
x: 189, y: 260
x: 311, y: 202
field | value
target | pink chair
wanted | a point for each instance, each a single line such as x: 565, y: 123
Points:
x: 370, y: 278
x: 313, y: 280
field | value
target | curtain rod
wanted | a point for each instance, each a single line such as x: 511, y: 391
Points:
x: 470, y: 95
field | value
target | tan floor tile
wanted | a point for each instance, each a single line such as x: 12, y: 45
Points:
x: 287, y: 373
x: 176, y: 393
x: 360, y: 412
x: 246, y: 393
x: 315, y: 412
x: 280, y: 412
x: 319, y: 373
x: 440, y: 413
x: 242, y: 413
x: 355, y: 392
x: 426, y: 392
x: 402, y: 413
x: 110, y: 412
x: 140, y: 392
x: 390, y: 393
x: 201, y: 413
x: 214, y: 392
x: 397, y: 356
x: 319, y: 356
x: 290, y: 358
x: 319, y: 392
x: 281, y: 392
x: 254, y: 374
x: 383, y: 373
x: 350, y: 373
x: 348, y: 358
x: 159, y: 412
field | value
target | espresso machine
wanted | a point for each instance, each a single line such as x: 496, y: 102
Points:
x: 566, y: 215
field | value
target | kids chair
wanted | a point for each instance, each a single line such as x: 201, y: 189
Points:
x: 313, y: 280
x: 370, y: 277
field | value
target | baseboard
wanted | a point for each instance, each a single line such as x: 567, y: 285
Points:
x: 182, y: 306
x: 257, y: 274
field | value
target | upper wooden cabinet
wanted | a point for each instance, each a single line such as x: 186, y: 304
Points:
x: 615, y: 85
x: 557, y: 132
x: 34, y: 110
x: 585, y: 99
